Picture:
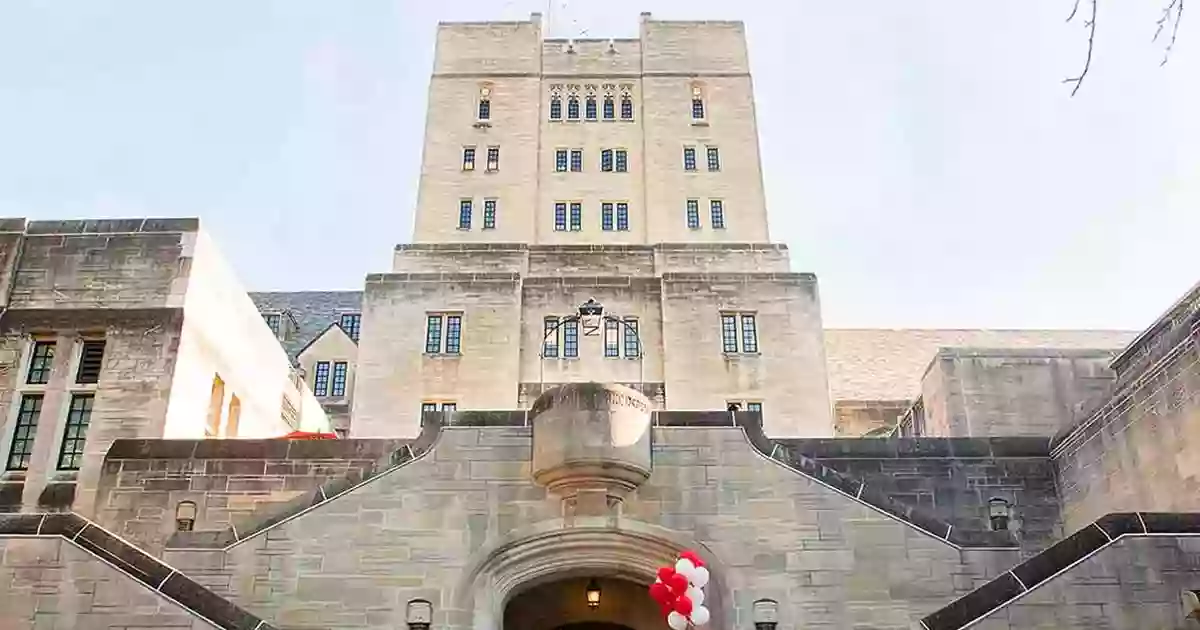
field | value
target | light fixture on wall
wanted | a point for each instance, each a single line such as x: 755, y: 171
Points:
x: 998, y: 513
x: 593, y: 594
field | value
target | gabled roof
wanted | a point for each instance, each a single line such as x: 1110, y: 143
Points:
x: 324, y: 332
x: 313, y: 312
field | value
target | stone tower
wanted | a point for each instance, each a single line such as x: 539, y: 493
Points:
x: 621, y: 170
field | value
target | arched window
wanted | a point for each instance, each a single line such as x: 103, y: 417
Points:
x: 216, y: 403
x: 610, y: 111
x: 626, y: 107
x: 589, y: 107
x: 555, y: 108
x: 573, y: 108
x: 185, y: 516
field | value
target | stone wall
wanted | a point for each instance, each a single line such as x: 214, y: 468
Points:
x: 976, y: 392
x: 1140, y: 451
x: 953, y: 479
x: 145, y: 480
x: 856, y: 418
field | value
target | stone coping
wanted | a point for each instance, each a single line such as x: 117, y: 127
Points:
x: 137, y: 564
x: 922, y: 447
x: 599, y: 248
x: 273, y: 448
x: 1055, y: 560
x: 103, y: 226
x: 788, y: 452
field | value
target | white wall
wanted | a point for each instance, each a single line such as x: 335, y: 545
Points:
x: 224, y: 334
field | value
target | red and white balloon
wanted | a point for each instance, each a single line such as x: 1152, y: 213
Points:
x: 679, y: 591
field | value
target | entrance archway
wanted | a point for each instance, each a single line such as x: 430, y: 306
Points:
x: 562, y: 605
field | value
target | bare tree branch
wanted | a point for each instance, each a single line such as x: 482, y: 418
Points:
x: 1091, y: 26
x: 1167, y: 18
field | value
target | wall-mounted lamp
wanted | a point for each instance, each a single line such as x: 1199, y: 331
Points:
x: 998, y: 513
x: 593, y: 594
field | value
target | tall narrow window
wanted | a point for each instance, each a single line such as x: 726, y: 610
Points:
x: 632, y: 345
x: 627, y: 107
x: 550, y: 337
x: 589, y: 107
x: 433, y: 334
x: 560, y: 160
x: 216, y: 403
x: 41, y: 362
x: 622, y: 217
x: 606, y: 160
x: 749, y: 334
x: 610, y: 111
x: 576, y: 160
x: 718, y: 214
x: 572, y: 108
x: 606, y: 217
x: 560, y: 217
x: 570, y: 338
x: 321, y: 379
x: 274, y: 322
x: 612, y: 338
x: 729, y: 338
x: 468, y: 163
x: 338, y: 387
x: 493, y: 159
x: 352, y: 324
x: 555, y: 108
x: 689, y: 158
x: 235, y: 416
x: 714, y: 158
x: 693, y: 214
x: 622, y: 162
x: 91, y: 361
x: 79, y: 415
x: 576, y: 216
x: 453, y: 334
x: 21, y: 450
x: 485, y: 108
x: 489, y: 214
x: 697, y: 108
x: 464, y: 214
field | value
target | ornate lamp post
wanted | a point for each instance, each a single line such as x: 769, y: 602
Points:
x: 593, y: 312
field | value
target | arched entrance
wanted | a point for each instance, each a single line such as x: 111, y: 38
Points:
x: 563, y: 605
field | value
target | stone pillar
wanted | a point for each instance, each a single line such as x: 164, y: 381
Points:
x: 591, y: 445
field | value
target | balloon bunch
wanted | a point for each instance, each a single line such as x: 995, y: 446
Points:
x: 679, y: 591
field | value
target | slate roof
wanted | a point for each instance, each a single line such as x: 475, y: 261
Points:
x: 888, y: 364
x: 313, y: 311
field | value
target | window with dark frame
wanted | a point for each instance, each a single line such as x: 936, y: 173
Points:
x: 338, y: 387
x: 493, y: 159
x: 622, y: 162
x: 352, y: 324
x: 630, y: 331
x: 627, y: 107
x: 749, y: 334
x: 606, y: 217
x: 589, y: 108
x: 622, y: 217
x: 576, y: 216
x: 489, y: 214
x: 274, y: 322
x: 550, y: 338
x: 714, y: 158
x: 453, y: 334
x: 609, y: 108
x: 697, y: 108
x: 468, y: 159
x: 606, y: 160
x: 560, y: 217
x: 576, y: 160
x: 91, y: 362
x: 79, y: 415
x: 573, y: 108
x: 485, y: 108
x: 693, y: 214
x: 464, y: 214
x: 433, y: 334
x: 570, y: 329
x: 612, y: 338
x: 560, y: 161
x: 729, y: 336
x: 717, y: 209
x: 20, y: 451
x: 41, y: 363
x: 321, y: 379
x: 555, y: 108
x: 689, y: 158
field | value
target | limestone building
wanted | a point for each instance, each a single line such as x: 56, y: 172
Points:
x: 536, y: 402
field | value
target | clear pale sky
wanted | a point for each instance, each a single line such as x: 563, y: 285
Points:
x: 922, y: 157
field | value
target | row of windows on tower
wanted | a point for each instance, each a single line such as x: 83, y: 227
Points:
x: 607, y: 107
x: 611, y: 160
x: 568, y: 215
x: 739, y: 335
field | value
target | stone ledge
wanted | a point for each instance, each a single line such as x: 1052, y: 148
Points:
x: 747, y: 276
x: 113, y: 226
x: 940, y: 448
x: 134, y: 562
x: 276, y: 449
x: 436, y: 277
x: 649, y: 282
x: 1054, y: 561
x: 461, y: 247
